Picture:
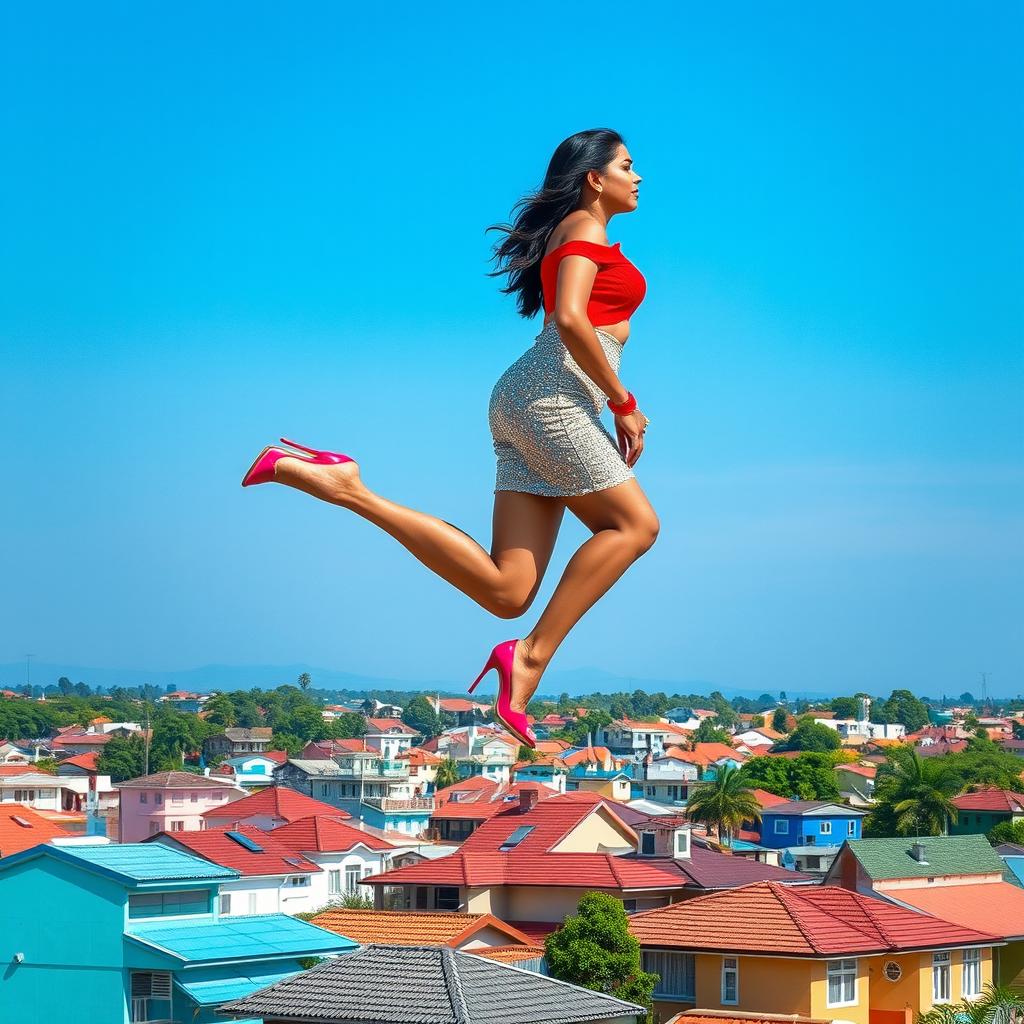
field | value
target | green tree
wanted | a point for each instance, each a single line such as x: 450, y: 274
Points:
x: 724, y: 803
x: 757, y: 722
x: 903, y: 707
x: 421, y: 716
x: 912, y: 796
x: 1007, y: 832
x: 447, y: 774
x: 349, y: 726
x: 305, y: 681
x: 124, y: 757
x: 780, y: 717
x: 997, y: 1005
x: 220, y: 711
x: 811, y: 735
x: 809, y: 776
x: 710, y: 730
x: 65, y: 685
x: 845, y: 707
x: 594, y: 949
x: 576, y: 731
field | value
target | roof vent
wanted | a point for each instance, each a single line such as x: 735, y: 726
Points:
x: 917, y: 852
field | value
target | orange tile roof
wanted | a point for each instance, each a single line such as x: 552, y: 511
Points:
x: 589, y: 755
x: 509, y: 954
x: 16, y: 836
x: 419, y: 756
x: 813, y: 921
x: 86, y: 761
x: 20, y: 769
x: 869, y: 771
x: 714, y: 751
x: 413, y: 928
x: 766, y: 799
x: 995, y: 907
x: 725, y: 1017
x: 389, y: 725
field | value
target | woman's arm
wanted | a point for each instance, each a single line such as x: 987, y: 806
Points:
x: 576, y: 276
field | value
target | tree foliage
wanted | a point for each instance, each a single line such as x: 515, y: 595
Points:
x: 724, y: 803
x: 1007, y: 832
x: 812, y: 735
x: 447, y: 774
x: 810, y: 776
x: 711, y: 730
x: 902, y: 707
x: 912, y: 796
x: 780, y: 719
x: 594, y: 949
x: 420, y: 715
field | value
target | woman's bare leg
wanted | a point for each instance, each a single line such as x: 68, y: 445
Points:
x: 504, y: 582
x: 624, y: 526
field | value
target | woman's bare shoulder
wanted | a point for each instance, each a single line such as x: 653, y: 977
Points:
x: 577, y: 227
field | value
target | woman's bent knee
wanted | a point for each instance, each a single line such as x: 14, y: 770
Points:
x: 646, y: 533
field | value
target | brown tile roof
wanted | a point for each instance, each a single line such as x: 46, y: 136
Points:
x: 174, y: 780
x: 413, y: 928
x: 509, y: 954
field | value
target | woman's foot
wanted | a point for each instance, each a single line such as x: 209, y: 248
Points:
x: 339, y: 484
x: 527, y: 670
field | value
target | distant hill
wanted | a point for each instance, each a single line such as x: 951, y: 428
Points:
x: 243, y: 677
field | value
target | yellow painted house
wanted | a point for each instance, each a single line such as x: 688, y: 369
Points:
x: 820, y: 952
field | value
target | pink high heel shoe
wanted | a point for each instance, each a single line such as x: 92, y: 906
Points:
x: 262, y: 469
x: 515, y: 721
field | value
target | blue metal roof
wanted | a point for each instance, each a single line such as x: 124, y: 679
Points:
x: 148, y: 862
x: 210, y: 986
x: 238, y: 938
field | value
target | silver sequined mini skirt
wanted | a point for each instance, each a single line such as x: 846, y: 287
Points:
x: 545, y: 417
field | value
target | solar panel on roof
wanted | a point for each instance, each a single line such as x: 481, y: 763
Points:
x: 244, y: 840
x: 516, y: 838
x: 293, y: 860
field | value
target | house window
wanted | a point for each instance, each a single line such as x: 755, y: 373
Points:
x: 781, y: 826
x: 169, y: 904
x: 334, y: 882
x: 940, y: 977
x: 629, y: 906
x: 825, y: 828
x: 842, y: 983
x: 730, y: 980
x: 323, y: 788
x: 851, y: 827
x: 151, y: 995
x: 194, y: 797
x: 143, y: 798
x: 647, y: 843
x: 676, y: 973
x: 158, y: 798
x: 225, y: 903
x: 971, y: 981
x: 177, y: 826
x: 682, y: 844
x: 352, y: 875
x: 297, y: 881
x: 421, y: 897
x: 446, y: 897
x: 154, y: 827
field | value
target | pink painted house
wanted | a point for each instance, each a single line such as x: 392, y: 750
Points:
x: 169, y: 802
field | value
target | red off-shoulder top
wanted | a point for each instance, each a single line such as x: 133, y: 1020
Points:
x: 618, y: 288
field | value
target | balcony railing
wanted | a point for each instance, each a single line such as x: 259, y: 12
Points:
x: 390, y: 803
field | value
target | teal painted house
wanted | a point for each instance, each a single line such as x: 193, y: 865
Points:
x: 131, y: 933
x: 984, y: 808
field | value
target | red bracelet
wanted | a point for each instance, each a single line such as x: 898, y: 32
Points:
x: 623, y: 408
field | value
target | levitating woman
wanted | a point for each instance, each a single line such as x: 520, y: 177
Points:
x: 552, y: 450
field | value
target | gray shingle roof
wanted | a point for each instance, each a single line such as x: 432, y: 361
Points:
x: 426, y: 985
x: 824, y: 808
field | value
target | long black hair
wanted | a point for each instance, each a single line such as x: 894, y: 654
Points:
x: 542, y: 211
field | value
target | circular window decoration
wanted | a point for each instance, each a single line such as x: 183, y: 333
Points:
x: 892, y: 970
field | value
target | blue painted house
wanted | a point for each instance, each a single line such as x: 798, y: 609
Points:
x: 810, y: 832
x: 131, y: 933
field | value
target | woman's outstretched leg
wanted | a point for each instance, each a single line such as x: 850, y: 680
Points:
x: 504, y: 582
x: 624, y: 526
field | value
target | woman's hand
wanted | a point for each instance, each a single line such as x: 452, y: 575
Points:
x: 630, y: 431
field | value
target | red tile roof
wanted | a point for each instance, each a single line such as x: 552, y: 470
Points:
x: 509, y: 954
x: 995, y: 907
x: 325, y: 834
x: 389, y: 725
x: 766, y: 799
x: 217, y: 846
x: 537, y: 931
x: 992, y: 799
x: 476, y: 784
x: 21, y: 828
x: 589, y: 755
x: 86, y: 761
x: 868, y: 771
x: 813, y: 921
x: 20, y: 769
x: 412, y: 928
x: 277, y: 802
x: 96, y: 739
x: 457, y: 704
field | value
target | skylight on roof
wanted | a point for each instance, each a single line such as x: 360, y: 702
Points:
x: 244, y: 840
x: 20, y: 821
x: 293, y: 860
x: 516, y: 838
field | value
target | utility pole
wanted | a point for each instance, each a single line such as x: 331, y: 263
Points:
x: 984, y: 693
x: 28, y: 669
x: 146, y: 772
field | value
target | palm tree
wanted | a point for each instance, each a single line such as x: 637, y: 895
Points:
x: 920, y: 797
x: 447, y: 774
x: 724, y: 803
x: 996, y: 1006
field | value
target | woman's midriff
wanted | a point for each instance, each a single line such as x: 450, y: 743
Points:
x: 619, y: 331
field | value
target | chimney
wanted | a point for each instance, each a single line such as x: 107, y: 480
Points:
x: 917, y: 852
x: 528, y: 797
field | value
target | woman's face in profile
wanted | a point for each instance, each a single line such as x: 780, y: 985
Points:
x: 620, y: 192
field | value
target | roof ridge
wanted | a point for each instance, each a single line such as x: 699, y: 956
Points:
x: 781, y: 894
x: 844, y: 921
x: 453, y: 983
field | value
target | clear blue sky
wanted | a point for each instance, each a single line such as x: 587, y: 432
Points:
x: 224, y: 222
